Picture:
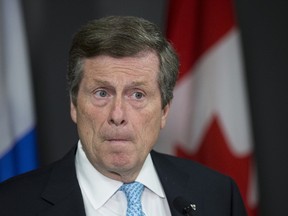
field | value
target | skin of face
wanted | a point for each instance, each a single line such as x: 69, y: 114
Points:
x: 119, y: 113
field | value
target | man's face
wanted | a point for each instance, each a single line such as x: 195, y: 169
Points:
x: 119, y: 113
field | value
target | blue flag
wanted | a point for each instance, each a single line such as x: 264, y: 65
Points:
x: 17, y: 120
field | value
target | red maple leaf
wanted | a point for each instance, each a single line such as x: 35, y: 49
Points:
x: 215, y: 153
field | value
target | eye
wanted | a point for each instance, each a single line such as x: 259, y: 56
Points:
x: 101, y: 93
x: 138, y: 95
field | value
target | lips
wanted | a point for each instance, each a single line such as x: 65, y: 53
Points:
x: 118, y: 137
x: 117, y: 140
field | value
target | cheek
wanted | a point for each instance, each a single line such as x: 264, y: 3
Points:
x: 150, y: 127
x: 89, y: 114
x: 86, y: 124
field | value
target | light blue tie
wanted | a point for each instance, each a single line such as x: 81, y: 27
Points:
x: 133, y: 192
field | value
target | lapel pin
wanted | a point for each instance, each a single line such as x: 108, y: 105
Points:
x: 193, y: 206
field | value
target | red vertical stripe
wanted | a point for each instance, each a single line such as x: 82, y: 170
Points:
x: 195, y: 25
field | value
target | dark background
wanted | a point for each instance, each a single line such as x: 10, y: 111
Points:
x: 264, y: 26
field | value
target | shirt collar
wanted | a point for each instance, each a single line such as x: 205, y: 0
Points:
x: 148, y: 177
x: 99, y: 188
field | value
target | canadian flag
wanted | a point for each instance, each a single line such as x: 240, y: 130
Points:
x: 209, y: 116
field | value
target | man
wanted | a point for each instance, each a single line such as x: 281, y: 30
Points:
x: 121, y: 76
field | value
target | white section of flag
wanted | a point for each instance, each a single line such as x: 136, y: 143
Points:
x: 216, y: 85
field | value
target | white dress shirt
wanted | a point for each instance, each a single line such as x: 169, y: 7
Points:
x: 102, y: 198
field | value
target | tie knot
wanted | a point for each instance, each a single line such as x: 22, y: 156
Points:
x: 133, y: 192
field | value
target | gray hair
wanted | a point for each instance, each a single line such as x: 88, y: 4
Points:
x: 122, y: 36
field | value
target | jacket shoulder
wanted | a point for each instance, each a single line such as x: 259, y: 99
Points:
x: 188, y: 166
x: 23, y: 194
x: 209, y: 189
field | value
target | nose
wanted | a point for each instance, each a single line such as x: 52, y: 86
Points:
x: 118, y: 112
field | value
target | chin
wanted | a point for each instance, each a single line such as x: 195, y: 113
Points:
x: 123, y: 163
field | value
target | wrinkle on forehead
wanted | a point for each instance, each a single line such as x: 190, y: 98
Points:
x: 132, y: 84
x: 141, y: 64
x: 124, y: 73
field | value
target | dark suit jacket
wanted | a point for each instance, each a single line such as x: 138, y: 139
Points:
x: 54, y: 190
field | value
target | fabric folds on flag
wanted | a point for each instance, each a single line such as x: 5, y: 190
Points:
x: 17, y: 121
x: 209, y: 116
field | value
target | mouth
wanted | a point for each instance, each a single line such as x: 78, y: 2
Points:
x: 118, y: 140
x: 117, y: 137
x: 117, y: 144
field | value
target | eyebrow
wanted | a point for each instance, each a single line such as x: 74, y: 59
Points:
x: 138, y: 83
x: 101, y: 82
x: 132, y: 84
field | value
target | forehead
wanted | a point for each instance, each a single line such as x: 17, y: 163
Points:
x: 142, y: 65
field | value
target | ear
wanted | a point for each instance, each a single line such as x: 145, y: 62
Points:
x: 165, y: 112
x: 73, y: 111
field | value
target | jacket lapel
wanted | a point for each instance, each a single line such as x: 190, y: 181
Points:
x: 62, y: 190
x: 175, y: 181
